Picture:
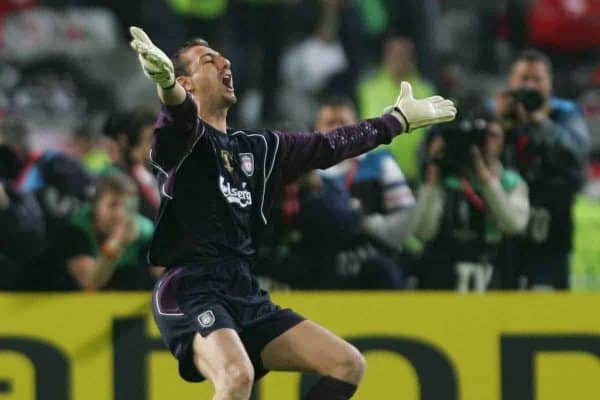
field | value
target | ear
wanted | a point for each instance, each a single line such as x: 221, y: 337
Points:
x: 185, y: 82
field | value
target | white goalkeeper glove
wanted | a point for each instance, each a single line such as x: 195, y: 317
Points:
x: 414, y: 113
x: 155, y: 64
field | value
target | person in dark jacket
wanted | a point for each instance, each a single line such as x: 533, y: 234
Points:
x: 548, y: 144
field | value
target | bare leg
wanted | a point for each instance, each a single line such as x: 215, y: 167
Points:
x: 222, y: 359
x: 308, y: 347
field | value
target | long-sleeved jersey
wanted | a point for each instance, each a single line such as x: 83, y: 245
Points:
x: 217, y: 187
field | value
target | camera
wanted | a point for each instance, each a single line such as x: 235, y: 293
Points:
x: 532, y: 99
x: 459, y: 138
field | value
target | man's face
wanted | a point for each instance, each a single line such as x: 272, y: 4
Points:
x: 111, y: 210
x: 531, y: 75
x: 331, y: 117
x: 210, y: 79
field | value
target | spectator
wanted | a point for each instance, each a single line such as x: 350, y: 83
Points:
x: 21, y: 233
x: 59, y: 182
x: 346, y: 242
x: 468, y: 202
x: 107, y: 242
x: 378, y: 91
x: 374, y: 181
x: 333, y: 252
x: 548, y: 143
x: 328, y: 59
x: 87, y: 145
x: 129, y: 140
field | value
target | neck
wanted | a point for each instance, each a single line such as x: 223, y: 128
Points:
x: 215, y: 117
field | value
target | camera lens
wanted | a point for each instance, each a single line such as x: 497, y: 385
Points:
x: 531, y: 99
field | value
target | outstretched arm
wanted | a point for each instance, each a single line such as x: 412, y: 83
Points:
x: 301, y: 152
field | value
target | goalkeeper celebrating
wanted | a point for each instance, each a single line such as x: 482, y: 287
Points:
x: 217, y: 186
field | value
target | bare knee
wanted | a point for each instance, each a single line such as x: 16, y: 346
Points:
x: 350, y: 366
x: 235, y: 381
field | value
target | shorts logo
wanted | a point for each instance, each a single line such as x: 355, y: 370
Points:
x: 206, y: 319
x: 247, y: 160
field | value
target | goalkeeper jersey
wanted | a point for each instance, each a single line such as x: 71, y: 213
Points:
x: 217, y: 187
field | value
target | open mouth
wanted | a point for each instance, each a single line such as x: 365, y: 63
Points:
x: 228, y: 82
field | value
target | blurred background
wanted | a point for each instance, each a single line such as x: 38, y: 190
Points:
x: 505, y: 198
x: 75, y: 109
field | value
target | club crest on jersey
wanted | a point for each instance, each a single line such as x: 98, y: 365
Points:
x: 206, y: 319
x: 242, y: 197
x: 247, y: 161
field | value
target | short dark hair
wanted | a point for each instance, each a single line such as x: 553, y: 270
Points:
x: 337, y: 101
x: 115, y: 182
x: 534, y: 55
x: 129, y: 123
x: 178, y: 65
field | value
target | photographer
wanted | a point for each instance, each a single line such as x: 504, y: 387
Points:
x: 548, y: 143
x: 58, y: 181
x: 466, y: 206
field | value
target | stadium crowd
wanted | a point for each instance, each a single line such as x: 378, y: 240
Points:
x: 506, y: 197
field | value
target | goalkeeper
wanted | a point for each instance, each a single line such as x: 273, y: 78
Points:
x: 217, y: 185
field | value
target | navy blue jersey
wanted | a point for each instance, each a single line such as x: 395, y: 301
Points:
x: 217, y: 188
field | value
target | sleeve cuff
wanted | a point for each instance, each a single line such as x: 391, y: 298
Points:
x: 395, y: 126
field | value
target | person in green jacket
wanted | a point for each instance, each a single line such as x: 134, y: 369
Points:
x: 376, y: 92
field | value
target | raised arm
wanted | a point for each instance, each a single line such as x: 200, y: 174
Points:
x: 177, y: 126
x: 158, y: 67
x: 301, y: 152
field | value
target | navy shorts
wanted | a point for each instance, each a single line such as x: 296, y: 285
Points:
x: 206, y: 298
